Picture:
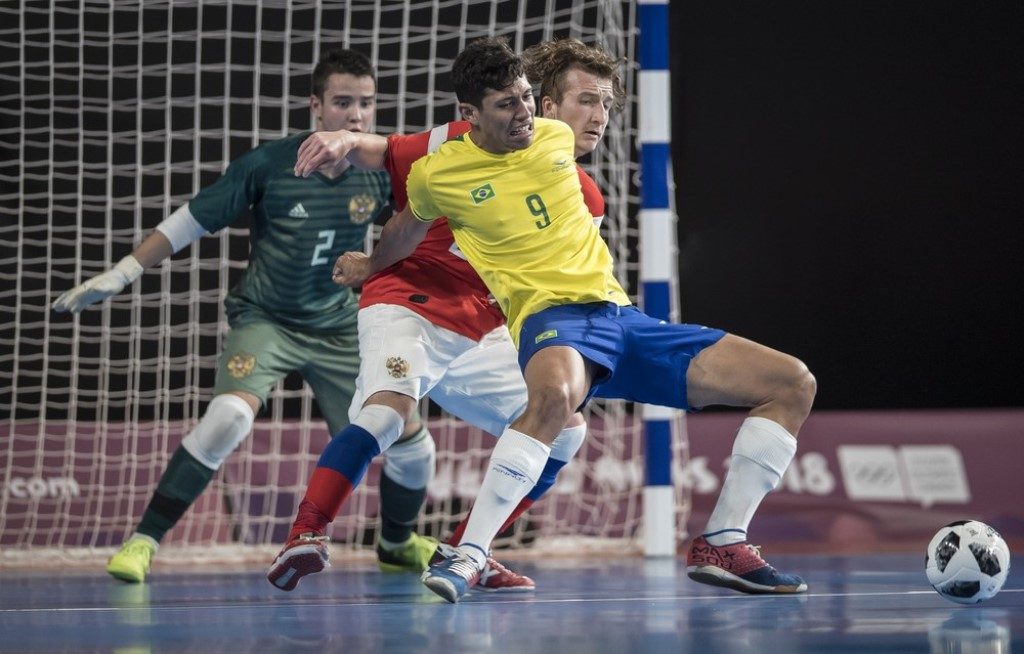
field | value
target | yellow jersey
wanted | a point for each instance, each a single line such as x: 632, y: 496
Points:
x: 520, y: 220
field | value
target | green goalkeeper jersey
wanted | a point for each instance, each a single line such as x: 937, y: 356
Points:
x: 299, y: 227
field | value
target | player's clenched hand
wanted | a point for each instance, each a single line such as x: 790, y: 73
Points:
x: 351, y: 269
x: 322, y: 151
x: 99, y: 287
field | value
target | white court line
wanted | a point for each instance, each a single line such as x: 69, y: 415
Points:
x: 882, y: 573
x: 300, y: 604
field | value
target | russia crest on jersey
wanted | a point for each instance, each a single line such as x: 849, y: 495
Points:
x: 361, y: 208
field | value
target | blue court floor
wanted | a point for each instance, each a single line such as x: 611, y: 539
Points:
x: 878, y: 603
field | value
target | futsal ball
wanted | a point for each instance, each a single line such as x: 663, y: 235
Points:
x: 967, y: 562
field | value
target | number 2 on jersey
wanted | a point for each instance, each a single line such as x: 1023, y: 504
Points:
x: 327, y: 242
x: 537, y: 208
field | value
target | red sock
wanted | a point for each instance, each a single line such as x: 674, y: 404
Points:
x: 523, y: 506
x: 327, y: 491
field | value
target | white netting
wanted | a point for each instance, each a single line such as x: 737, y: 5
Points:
x: 112, y: 114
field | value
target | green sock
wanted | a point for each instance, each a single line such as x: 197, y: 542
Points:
x: 182, y: 482
x: 400, y: 506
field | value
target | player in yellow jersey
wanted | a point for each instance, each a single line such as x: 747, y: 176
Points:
x: 442, y: 340
x: 508, y: 191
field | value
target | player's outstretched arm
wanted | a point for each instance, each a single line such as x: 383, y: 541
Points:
x: 326, y: 150
x: 154, y: 249
x: 400, y: 236
x: 175, y: 232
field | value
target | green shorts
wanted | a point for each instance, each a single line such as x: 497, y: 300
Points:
x: 256, y: 355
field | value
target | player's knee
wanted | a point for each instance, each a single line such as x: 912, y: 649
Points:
x: 403, y: 404
x: 226, y: 423
x: 800, y: 388
x: 551, y: 402
x: 806, y: 387
x: 410, y: 463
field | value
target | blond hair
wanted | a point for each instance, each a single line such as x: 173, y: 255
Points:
x: 548, y: 63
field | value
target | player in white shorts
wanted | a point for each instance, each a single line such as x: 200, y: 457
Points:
x: 435, y: 296
x: 427, y: 325
x: 469, y: 378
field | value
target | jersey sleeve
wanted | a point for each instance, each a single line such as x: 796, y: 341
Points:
x: 403, y: 151
x: 418, y: 187
x: 592, y: 196
x: 241, y: 185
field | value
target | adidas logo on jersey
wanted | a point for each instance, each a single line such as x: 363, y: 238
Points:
x: 298, y: 211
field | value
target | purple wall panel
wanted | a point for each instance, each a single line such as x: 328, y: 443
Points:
x: 880, y: 479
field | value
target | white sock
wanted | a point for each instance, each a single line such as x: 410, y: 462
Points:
x: 514, y: 468
x: 382, y: 422
x: 760, y: 455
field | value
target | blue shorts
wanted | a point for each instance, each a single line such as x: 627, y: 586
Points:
x: 644, y: 359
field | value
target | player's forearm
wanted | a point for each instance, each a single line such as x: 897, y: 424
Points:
x: 399, y: 238
x: 175, y: 232
x: 154, y: 248
x: 367, y: 151
x: 327, y: 151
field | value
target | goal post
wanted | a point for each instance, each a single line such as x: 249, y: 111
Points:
x: 657, y: 264
x: 115, y: 114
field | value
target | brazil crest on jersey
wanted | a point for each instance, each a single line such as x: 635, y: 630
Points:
x: 299, y: 227
x: 520, y: 219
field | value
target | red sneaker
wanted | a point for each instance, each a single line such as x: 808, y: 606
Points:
x: 740, y: 567
x: 498, y: 578
x: 304, y: 555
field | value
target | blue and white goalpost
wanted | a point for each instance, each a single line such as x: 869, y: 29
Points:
x: 657, y: 261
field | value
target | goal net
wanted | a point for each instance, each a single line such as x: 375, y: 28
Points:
x: 115, y: 114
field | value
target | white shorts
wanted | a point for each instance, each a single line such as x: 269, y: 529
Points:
x: 401, y: 351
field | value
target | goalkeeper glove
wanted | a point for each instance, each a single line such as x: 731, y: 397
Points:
x: 100, y: 287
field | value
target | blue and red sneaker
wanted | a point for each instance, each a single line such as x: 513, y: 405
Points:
x: 738, y: 566
x: 452, y: 576
x: 494, y: 578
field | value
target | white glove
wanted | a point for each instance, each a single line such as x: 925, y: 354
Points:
x: 100, y: 287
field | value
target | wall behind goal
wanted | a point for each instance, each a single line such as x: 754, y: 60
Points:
x: 851, y: 191
x: 112, y: 117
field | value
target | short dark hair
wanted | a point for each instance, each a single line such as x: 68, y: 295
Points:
x: 485, y: 64
x: 548, y: 63
x: 339, y: 61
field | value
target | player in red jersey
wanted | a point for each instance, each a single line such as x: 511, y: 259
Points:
x: 427, y: 325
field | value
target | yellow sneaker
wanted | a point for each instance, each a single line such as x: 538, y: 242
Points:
x: 131, y: 562
x: 411, y: 556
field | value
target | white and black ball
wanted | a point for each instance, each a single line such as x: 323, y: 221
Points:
x: 967, y: 562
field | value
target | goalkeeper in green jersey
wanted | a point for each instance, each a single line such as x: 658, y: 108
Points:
x: 285, y: 314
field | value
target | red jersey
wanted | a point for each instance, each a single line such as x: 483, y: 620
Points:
x: 591, y: 195
x: 435, y: 280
